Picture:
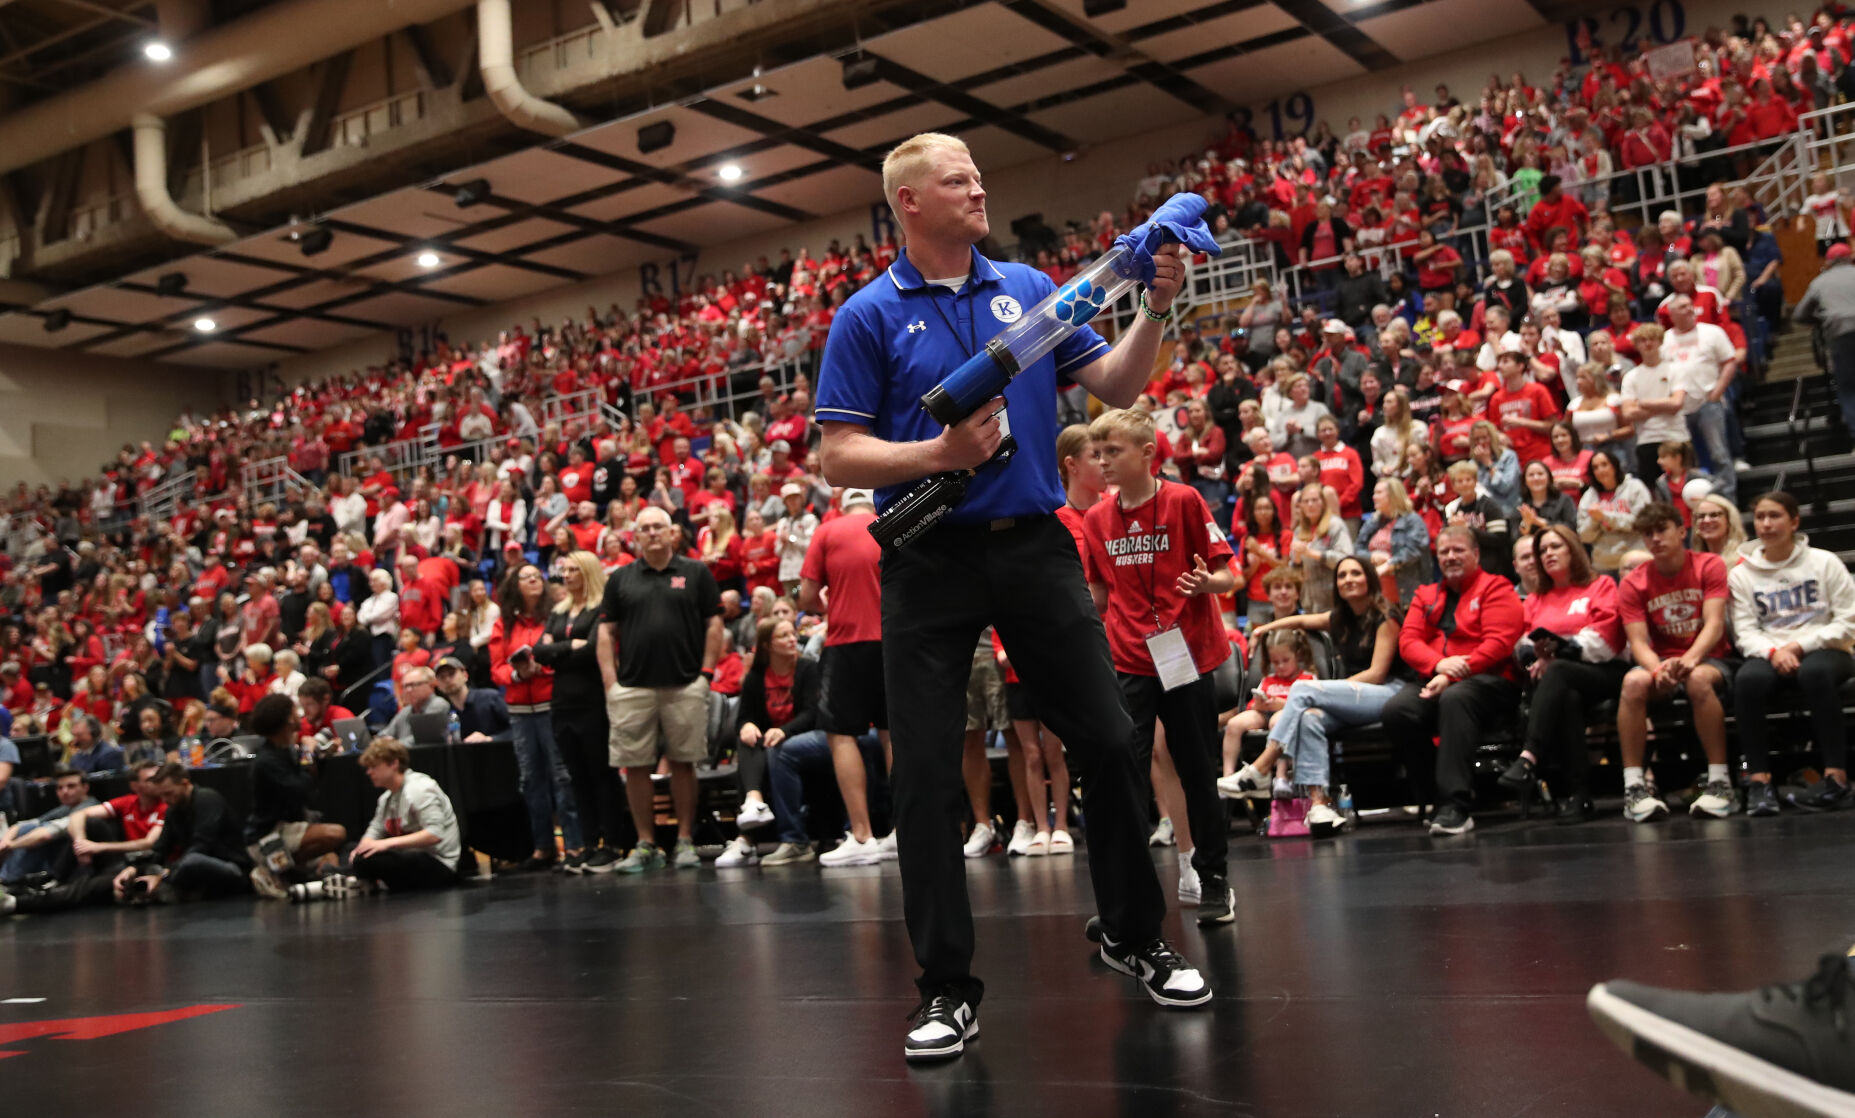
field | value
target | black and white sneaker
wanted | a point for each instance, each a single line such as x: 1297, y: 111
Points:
x: 1452, y: 820
x: 1218, y: 901
x: 1783, y: 1050
x: 1163, y: 973
x: 940, y: 1027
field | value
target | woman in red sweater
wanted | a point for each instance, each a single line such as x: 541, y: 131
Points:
x: 1574, y: 636
x: 529, y: 689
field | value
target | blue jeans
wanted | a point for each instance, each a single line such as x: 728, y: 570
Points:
x: 1314, y: 708
x: 207, y: 876
x: 1708, y: 426
x: 546, y: 787
x: 787, y: 764
x: 21, y: 864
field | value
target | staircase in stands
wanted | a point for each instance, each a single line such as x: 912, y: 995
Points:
x: 1795, y: 440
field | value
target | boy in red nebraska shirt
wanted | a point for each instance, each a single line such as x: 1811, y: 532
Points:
x: 1155, y: 563
x: 1523, y: 409
x: 1459, y: 635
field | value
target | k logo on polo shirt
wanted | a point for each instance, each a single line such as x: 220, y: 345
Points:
x: 1006, y: 309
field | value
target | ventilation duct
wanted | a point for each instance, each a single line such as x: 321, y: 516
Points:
x: 151, y: 189
x: 496, y: 50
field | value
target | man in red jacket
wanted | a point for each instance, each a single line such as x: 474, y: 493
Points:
x: 1459, y: 635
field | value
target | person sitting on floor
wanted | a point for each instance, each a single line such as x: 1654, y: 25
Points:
x: 33, y: 846
x: 281, y: 834
x: 200, y: 853
x: 413, y: 842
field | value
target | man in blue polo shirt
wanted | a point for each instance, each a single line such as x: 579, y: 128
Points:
x: 999, y: 558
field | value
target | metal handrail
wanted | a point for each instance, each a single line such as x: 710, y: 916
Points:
x: 1798, y: 424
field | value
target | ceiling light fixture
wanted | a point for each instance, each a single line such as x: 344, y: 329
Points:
x: 730, y: 172
x: 471, y: 193
x: 173, y: 283
x: 157, y: 51
x: 205, y: 325
x: 656, y: 137
x: 314, y: 241
x: 862, y: 70
x: 429, y: 260
x: 57, y: 320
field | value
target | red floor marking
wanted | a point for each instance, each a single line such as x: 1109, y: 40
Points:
x: 92, y: 1028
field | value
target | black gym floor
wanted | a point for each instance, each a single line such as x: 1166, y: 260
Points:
x: 1385, y: 973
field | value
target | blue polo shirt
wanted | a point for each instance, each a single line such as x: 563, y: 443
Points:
x: 899, y: 336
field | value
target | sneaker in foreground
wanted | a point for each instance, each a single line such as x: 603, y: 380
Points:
x: 686, y: 857
x: 1282, y: 789
x: 341, y: 886
x: 1219, y: 903
x: 602, y: 860
x: 266, y: 884
x: 1784, y: 1050
x: 1162, y: 834
x: 1163, y: 973
x: 1189, y: 888
x: 981, y: 841
x: 740, y: 852
x: 1022, y: 832
x: 572, y: 863
x: 1825, y: 795
x: 1761, y: 799
x: 790, y: 853
x: 1323, y: 821
x: 753, y: 815
x: 1716, y: 799
x: 886, y: 846
x: 940, y: 1027
x: 850, y: 852
x: 1641, y: 805
x: 1244, y: 784
x: 644, y: 856
x: 1452, y: 820
x: 1061, y: 843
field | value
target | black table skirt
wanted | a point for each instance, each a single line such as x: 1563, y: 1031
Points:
x: 480, y: 778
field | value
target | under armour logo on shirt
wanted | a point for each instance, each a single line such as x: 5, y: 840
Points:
x: 917, y: 326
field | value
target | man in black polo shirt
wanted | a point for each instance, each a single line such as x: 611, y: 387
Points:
x: 665, y: 614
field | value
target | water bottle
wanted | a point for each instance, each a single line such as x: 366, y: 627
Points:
x: 452, y: 733
x: 1346, y: 805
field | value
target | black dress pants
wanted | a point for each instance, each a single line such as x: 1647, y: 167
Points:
x: 937, y: 594
x: 1189, y: 714
x: 1459, y: 717
x: 1562, y: 701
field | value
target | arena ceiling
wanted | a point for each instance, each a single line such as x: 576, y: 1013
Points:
x: 1017, y: 79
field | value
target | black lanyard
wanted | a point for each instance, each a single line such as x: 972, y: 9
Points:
x: 972, y: 329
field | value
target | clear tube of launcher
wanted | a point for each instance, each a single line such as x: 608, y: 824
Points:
x: 1022, y: 343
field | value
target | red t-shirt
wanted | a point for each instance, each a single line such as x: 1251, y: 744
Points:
x: 1276, y: 687
x: 1139, y: 554
x: 137, y: 821
x: 1533, y: 401
x: 576, y: 482
x: 778, y: 698
x: 1671, y: 607
x: 845, y: 557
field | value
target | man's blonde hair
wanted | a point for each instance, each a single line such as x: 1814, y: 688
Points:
x: 910, y: 159
x: 1137, y: 426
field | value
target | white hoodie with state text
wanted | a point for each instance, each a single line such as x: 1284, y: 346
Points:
x: 1809, y: 598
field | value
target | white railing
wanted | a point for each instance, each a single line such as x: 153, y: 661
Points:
x: 164, y: 500
x: 88, y: 220
x: 352, y: 129
x: 271, y: 479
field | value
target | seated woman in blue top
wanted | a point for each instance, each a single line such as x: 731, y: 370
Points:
x: 1394, y: 542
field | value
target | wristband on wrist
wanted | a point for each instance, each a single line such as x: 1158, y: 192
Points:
x: 1151, y: 315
